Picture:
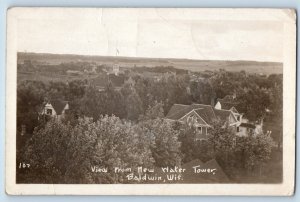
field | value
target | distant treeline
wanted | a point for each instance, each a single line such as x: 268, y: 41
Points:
x: 160, y: 69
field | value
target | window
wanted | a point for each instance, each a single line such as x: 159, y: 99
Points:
x: 200, y: 130
x: 237, y: 129
x: 49, y: 112
x: 191, y: 120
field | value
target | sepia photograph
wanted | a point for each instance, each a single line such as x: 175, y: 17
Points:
x: 131, y: 97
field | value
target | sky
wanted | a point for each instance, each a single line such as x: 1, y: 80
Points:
x: 155, y: 33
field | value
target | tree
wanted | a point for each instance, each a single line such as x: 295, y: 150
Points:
x: 190, y: 147
x: 165, y: 147
x: 95, y: 103
x: 61, y: 153
x: 30, y: 98
x: 258, y: 150
x: 76, y: 89
x: 222, y: 139
x: 275, y: 110
x: 142, y: 86
x: 91, y: 105
x: 176, y: 91
x: 134, y: 106
x: 57, y: 90
x: 47, y: 153
x: 254, y: 103
x: 153, y: 112
x: 108, y: 143
x: 225, y: 82
x: 112, y: 102
x: 201, y: 92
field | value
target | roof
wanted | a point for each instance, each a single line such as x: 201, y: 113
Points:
x: 228, y: 98
x: 228, y: 102
x: 247, y: 125
x: 226, y: 105
x: 178, y: 110
x: 222, y: 114
x: 206, y: 112
x: 58, y: 105
x: 192, y: 163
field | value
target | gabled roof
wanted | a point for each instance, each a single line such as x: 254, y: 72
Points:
x: 178, y: 110
x: 227, y: 105
x: 228, y: 102
x: 58, y: 105
x: 227, y: 98
x: 206, y: 112
x: 200, y: 119
x: 234, y: 110
x: 224, y: 114
x: 192, y: 163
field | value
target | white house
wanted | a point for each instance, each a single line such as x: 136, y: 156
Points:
x: 244, y: 127
x: 56, y: 108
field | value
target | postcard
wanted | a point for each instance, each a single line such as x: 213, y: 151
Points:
x: 150, y: 101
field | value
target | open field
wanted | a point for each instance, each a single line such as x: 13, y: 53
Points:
x: 192, y: 65
x: 54, y: 77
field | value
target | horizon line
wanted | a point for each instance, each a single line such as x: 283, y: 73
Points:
x: 74, y: 54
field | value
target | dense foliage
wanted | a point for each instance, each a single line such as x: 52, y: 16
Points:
x: 125, y: 127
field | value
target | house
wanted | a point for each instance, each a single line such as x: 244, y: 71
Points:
x: 229, y: 103
x: 245, y: 127
x: 115, y: 69
x: 56, y: 108
x: 202, y: 117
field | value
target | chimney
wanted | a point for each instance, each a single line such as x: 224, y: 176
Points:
x: 234, y: 95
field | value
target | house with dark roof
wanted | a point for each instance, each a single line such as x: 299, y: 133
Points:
x: 56, y: 108
x: 201, y: 116
x: 229, y: 102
